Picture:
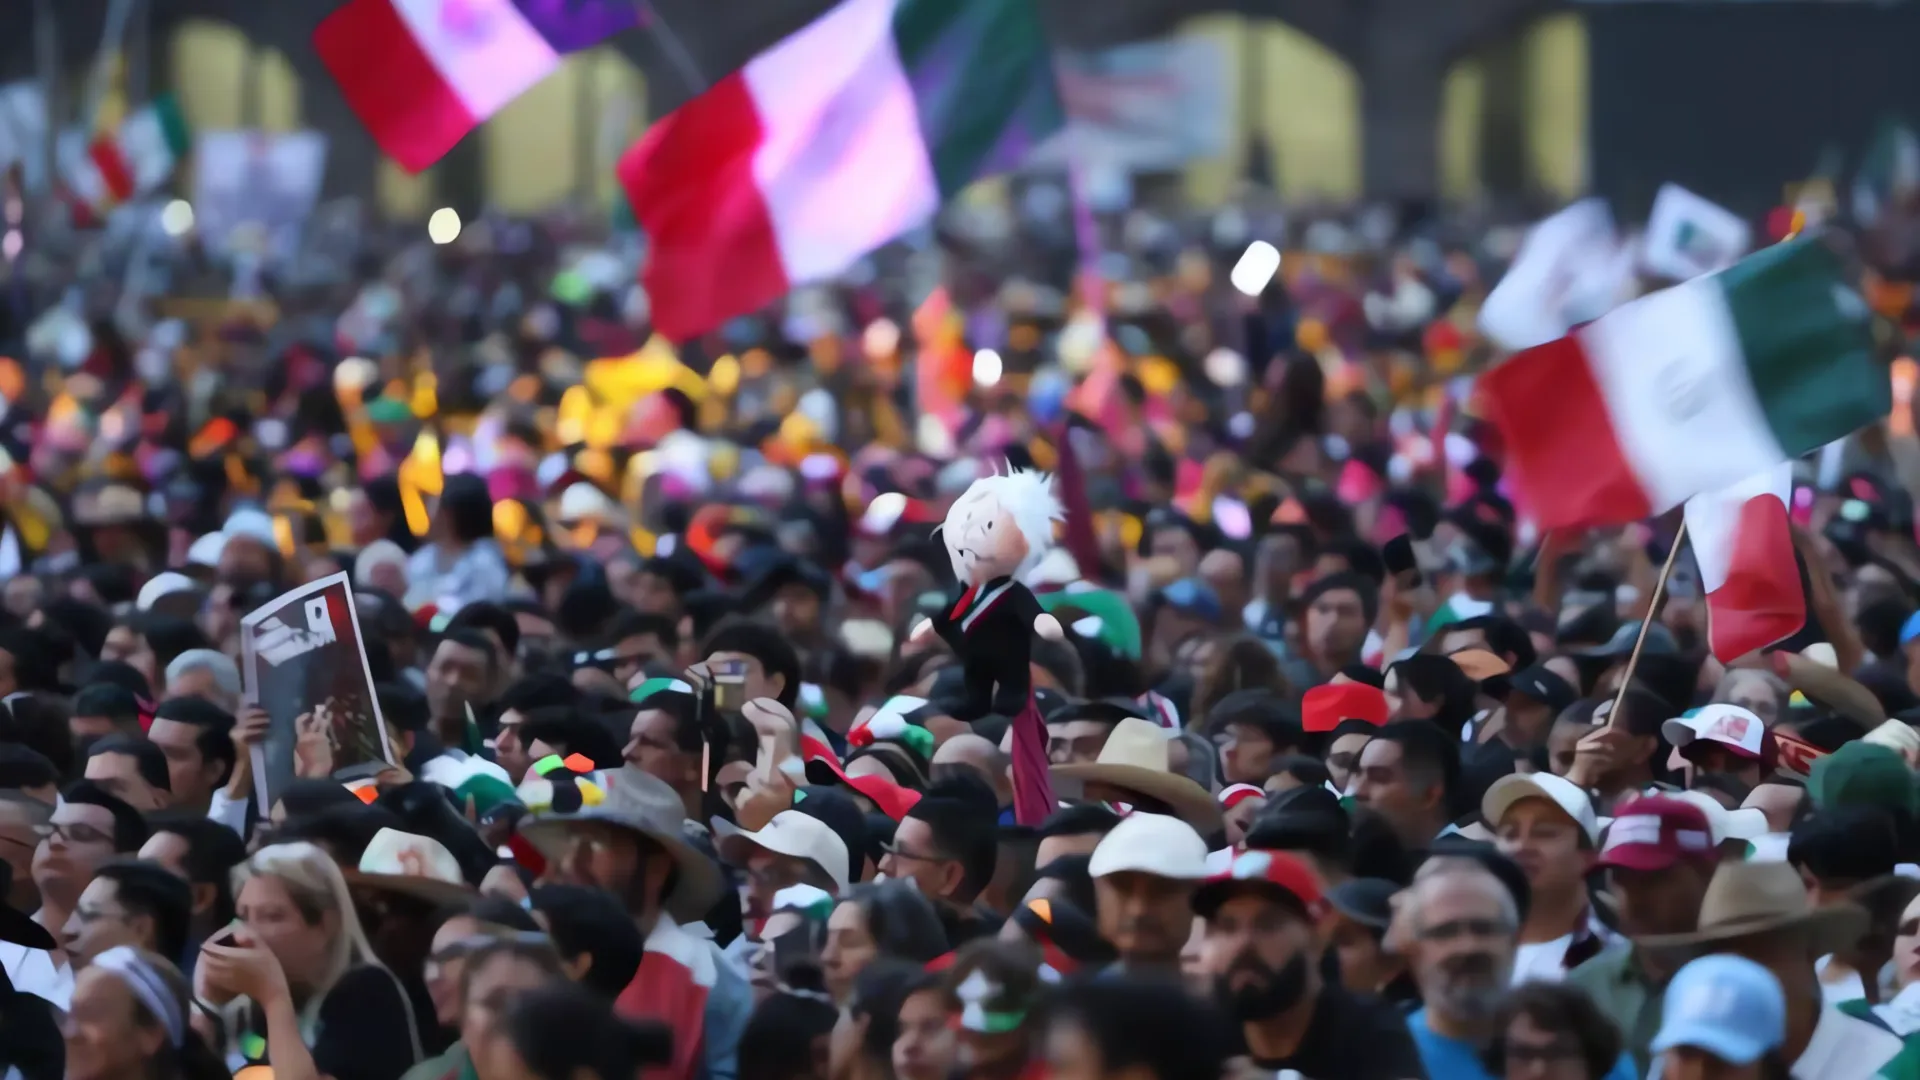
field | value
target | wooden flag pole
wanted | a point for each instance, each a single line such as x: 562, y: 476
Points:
x: 1646, y: 621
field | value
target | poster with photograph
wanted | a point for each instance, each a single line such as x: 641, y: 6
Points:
x: 305, y: 666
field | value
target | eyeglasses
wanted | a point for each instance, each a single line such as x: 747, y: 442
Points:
x: 911, y: 856
x: 1541, y: 1053
x: 88, y: 916
x: 73, y: 832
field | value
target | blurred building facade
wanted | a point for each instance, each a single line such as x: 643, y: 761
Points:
x: 1332, y: 100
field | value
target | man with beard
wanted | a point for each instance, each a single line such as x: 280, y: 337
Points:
x: 1262, y: 947
x: 1458, y: 925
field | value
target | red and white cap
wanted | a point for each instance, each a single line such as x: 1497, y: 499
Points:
x: 1234, y: 794
x: 1731, y: 726
x: 1277, y: 873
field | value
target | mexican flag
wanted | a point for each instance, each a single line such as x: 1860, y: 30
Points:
x: 137, y: 159
x: 1745, y: 553
x: 834, y: 141
x: 1688, y: 390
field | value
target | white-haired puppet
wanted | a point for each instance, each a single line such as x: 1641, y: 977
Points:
x: 997, y: 531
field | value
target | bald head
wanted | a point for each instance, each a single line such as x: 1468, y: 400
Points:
x: 975, y: 752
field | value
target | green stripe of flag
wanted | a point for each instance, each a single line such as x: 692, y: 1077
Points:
x: 172, y: 125
x: 1807, y: 342
x: 982, y: 78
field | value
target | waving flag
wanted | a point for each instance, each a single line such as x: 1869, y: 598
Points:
x: 1745, y: 553
x: 421, y: 74
x: 1688, y: 390
x: 834, y: 141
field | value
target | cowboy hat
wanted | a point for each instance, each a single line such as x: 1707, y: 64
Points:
x: 1135, y: 759
x: 640, y: 803
x: 1747, y: 898
x: 411, y: 865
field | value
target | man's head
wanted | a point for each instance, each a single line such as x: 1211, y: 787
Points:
x: 1659, y: 857
x: 1725, y: 739
x: 132, y: 903
x: 636, y: 640
x: 205, y: 673
x: 634, y: 868
x: 1497, y: 634
x: 772, y: 665
x: 1461, y: 927
x: 103, y: 709
x: 461, y: 673
x: 795, y: 848
x: 1537, y: 697
x: 1076, y: 733
x: 1253, y: 728
x: 980, y: 757
x: 202, y: 853
x: 90, y: 826
x: 520, y: 700
x: 196, y: 737
x: 133, y: 769
x: 1261, y: 943
x: 21, y: 819
x: 1547, y: 826
x: 1144, y: 874
x: 946, y: 843
x: 1340, y: 608
x: 664, y: 739
x: 1407, y: 773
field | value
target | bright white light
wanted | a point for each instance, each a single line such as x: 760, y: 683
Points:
x: 1225, y: 367
x: 987, y: 367
x: 176, y: 219
x: 1255, y: 270
x: 444, y: 226
x: 10, y: 247
x: 884, y: 511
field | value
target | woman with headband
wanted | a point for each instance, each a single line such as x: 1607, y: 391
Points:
x: 130, y: 1021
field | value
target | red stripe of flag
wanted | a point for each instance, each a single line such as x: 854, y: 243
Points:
x: 690, y: 180
x: 390, y: 83
x: 1561, y: 449
x: 112, y: 167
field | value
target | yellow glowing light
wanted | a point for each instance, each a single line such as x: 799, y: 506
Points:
x: 725, y: 376
x: 283, y: 534
x: 595, y: 465
x: 509, y: 519
x: 576, y: 408
x: 425, y: 400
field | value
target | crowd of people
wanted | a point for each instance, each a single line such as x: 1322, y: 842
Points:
x: 1346, y: 774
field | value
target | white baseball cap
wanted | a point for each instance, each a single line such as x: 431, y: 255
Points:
x: 1745, y: 823
x: 162, y: 585
x: 1156, y: 844
x: 1558, y: 790
x: 1730, y: 725
x: 793, y: 833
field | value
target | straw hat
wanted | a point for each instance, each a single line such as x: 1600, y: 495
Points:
x: 412, y: 865
x: 1135, y: 759
x: 640, y: 803
x: 1747, y: 898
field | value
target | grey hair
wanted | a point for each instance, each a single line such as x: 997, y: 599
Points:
x: 1458, y: 866
x: 1027, y: 495
x: 226, y: 674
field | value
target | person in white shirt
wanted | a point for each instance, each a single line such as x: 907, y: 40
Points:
x: 1761, y: 911
x: 1547, y: 826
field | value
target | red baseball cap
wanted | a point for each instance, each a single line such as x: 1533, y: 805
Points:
x: 1653, y: 832
x: 1276, y: 873
x: 1323, y: 707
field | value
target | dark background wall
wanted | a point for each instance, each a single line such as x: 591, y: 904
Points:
x: 1740, y: 99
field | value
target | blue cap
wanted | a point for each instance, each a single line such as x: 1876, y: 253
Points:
x: 1910, y: 629
x: 1193, y: 597
x: 1728, y: 1006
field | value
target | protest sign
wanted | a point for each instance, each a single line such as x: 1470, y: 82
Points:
x: 1688, y: 236
x: 253, y: 190
x: 305, y: 666
x: 1145, y: 107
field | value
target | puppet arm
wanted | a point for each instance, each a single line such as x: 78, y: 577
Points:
x: 1048, y: 627
x: 921, y: 631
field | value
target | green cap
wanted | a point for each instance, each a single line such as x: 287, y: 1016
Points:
x: 1863, y: 774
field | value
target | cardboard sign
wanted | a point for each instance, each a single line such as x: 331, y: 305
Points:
x: 305, y: 665
x: 1688, y: 236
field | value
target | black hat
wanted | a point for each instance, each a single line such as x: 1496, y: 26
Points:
x: 1300, y: 819
x: 1367, y: 901
x: 1543, y: 686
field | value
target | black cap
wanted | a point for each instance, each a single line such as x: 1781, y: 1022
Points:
x: 1543, y: 686
x: 1300, y: 819
x: 1367, y: 901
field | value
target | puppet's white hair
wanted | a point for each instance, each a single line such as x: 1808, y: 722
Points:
x: 1028, y: 495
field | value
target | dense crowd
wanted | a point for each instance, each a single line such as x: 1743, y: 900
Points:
x: 727, y: 738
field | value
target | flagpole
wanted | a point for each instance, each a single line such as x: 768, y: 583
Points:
x: 111, y: 39
x: 676, y: 50
x: 1646, y: 621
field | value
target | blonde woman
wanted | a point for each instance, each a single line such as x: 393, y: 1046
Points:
x: 295, y: 981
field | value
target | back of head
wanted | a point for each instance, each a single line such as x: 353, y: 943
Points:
x: 780, y: 1039
x: 1146, y: 1026
x: 564, y: 1032
x: 585, y: 921
x: 149, y: 760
